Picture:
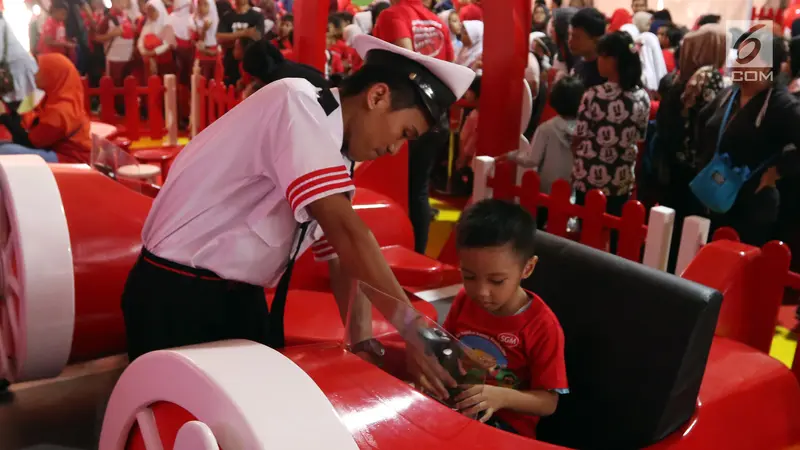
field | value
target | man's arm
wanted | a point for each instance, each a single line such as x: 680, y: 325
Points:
x: 359, y: 253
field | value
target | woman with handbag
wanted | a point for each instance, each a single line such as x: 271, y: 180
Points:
x: 743, y: 139
x: 60, y: 128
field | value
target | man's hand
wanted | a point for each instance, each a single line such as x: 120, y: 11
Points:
x: 426, y: 372
x: 481, y: 397
x: 768, y: 179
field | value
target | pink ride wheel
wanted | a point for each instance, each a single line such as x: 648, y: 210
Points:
x: 220, y: 395
x: 37, y: 307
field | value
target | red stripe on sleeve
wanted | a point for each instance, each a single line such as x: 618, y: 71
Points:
x: 311, y: 185
x: 303, y: 178
x: 325, y: 254
x: 322, y: 189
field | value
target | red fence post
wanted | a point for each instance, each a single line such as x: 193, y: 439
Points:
x: 132, y: 115
x: 592, y: 224
x: 725, y: 233
x: 87, y: 99
x: 202, y: 100
x: 107, y: 92
x: 155, y: 106
x: 631, y: 231
x: 558, y: 208
x: 529, y: 193
x: 503, y: 181
x: 773, y: 266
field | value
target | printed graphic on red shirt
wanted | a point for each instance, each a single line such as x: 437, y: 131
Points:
x: 492, y: 357
x: 428, y: 37
x: 523, y: 352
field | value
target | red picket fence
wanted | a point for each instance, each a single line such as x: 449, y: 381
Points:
x: 210, y: 100
x: 792, y: 279
x: 765, y: 13
x: 595, y: 222
x: 133, y: 97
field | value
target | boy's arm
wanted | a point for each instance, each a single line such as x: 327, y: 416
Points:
x: 536, y: 403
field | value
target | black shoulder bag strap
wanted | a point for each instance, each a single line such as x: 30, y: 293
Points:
x: 276, y: 336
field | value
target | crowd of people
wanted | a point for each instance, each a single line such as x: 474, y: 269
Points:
x: 625, y: 102
x: 629, y: 103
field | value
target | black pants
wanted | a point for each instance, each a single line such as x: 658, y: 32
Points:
x: 421, y: 159
x: 167, y: 305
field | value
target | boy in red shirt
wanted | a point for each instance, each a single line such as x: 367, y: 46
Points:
x: 511, y: 331
x: 54, y: 36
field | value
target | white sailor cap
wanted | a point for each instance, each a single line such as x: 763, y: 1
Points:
x: 364, y: 21
x: 440, y: 83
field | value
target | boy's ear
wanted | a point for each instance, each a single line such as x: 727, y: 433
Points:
x: 529, y: 266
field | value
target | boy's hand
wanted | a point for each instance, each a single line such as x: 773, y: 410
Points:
x: 481, y: 397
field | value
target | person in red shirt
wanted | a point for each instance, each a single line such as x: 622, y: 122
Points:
x: 511, y: 332
x: 285, y: 38
x: 409, y: 24
x: 54, y: 35
x: 470, y: 10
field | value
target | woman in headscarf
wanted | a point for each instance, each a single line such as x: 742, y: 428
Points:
x: 204, y: 23
x: 157, y: 39
x: 619, y: 18
x: 180, y: 20
x: 631, y: 30
x: 451, y: 20
x: 642, y: 21
x: 698, y: 82
x: 472, y: 52
x: 22, y: 67
x: 653, y: 66
x: 541, y: 17
x: 60, y: 128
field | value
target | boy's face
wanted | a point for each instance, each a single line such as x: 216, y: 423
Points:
x: 638, y: 5
x: 286, y: 28
x: 492, y: 276
x: 580, y: 43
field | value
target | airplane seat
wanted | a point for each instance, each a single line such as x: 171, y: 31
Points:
x: 637, y: 342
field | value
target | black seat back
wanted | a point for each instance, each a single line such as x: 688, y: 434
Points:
x: 637, y: 343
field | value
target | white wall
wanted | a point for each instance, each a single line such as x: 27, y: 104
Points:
x: 686, y: 12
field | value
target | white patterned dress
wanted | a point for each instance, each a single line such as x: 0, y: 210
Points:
x: 611, y: 122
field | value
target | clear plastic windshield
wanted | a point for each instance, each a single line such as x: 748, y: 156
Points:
x: 108, y: 158
x: 416, y: 349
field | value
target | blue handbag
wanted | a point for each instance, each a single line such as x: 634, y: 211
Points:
x: 719, y: 183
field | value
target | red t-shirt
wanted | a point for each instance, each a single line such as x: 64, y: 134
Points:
x: 54, y: 30
x: 669, y: 59
x: 525, y: 351
x: 470, y: 12
x: 411, y: 19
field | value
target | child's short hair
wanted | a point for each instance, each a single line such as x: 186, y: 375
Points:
x: 590, y: 20
x: 566, y: 96
x: 495, y: 223
x: 288, y: 18
x: 476, y: 86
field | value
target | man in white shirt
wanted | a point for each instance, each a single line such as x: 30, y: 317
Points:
x: 265, y: 182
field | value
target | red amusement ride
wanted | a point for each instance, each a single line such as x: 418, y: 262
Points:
x: 654, y: 361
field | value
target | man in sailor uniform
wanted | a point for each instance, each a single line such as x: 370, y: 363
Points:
x: 265, y: 182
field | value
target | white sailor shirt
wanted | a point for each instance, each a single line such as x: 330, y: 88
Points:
x: 239, y: 190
